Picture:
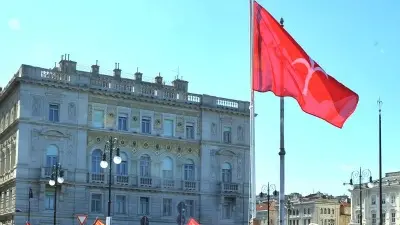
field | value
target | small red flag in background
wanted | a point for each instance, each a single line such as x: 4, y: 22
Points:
x: 280, y: 65
x: 192, y: 222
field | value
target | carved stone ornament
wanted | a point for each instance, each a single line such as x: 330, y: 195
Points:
x: 136, y: 143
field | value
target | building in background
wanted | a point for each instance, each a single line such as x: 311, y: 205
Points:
x: 262, y: 213
x: 370, y: 201
x: 315, y: 208
x: 175, y: 147
x: 345, y: 213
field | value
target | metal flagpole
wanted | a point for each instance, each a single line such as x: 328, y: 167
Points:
x: 282, y: 154
x: 380, y: 160
x: 252, y: 199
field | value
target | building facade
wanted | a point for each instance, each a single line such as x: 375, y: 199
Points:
x: 175, y: 146
x: 262, y: 214
x: 315, y: 208
x: 370, y: 201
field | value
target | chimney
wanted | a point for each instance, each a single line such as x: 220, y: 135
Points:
x: 95, y: 69
x: 180, y: 85
x: 117, y: 71
x: 138, y: 75
x: 158, y: 79
x: 66, y: 65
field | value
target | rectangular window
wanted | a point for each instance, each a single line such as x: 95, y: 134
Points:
x: 190, y: 131
x: 54, y: 112
x: 373, y: 200
x: 227, y: 208
x: 168, y: 128
x: 167, y: 207
x: 393, y: 217
x: 120, y: 204
x: 123, y: 121
x: 383, y: 199
x: 189, y: 172
x: 96, y: 203
x: 227, y: 135
x: 49, y: 200
x: 373, y: 216
x: 146, y: 125
x: 392, y: 198
x: 98, y: 118
x: 144, y: 205
x: 189, y: 208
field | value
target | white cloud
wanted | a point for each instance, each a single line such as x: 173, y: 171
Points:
x: 14, y: 24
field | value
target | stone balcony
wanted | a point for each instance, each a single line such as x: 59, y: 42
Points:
x: 99, y: 82
x: 230, y: 188
x: 7, y: 176
x: 145, y: 182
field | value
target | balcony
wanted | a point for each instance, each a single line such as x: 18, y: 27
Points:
x: 7, y: 176
x: 145, y: 182
x: 45, y: 173
x: 230, y: 188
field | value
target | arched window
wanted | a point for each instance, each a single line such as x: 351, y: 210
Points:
x: 96, y: 159
x: 189, y: 172
x: 167, y: 168
x: 145, y: 166
x: 329, y: 211
x: 226, y: 173
x: 325, y: 211
x: 51, y: 155
x: 122, y: 168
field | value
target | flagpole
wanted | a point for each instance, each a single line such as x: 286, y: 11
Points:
x: 252, y: 192
x: 282, y: 154
x: 380, y: 159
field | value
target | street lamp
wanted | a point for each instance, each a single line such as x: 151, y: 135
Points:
x: 181, y: 210
x: 266, y: 189
x: 57, y: 178
x: 110, y: 146
x: 361, y: 175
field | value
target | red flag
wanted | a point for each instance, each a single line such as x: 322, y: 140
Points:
x: 192, y: 222
x: 280, y: 65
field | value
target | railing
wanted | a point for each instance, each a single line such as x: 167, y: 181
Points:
x: 144, y: 182
x: 7, y: 176
x: 130, y: 86
x: 229, y: 188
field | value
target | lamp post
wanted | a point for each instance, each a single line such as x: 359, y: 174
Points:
x: 267, y: 189
x: 29, y: 203
x: 361, y: 175
x: 110, y: 147
x: 181, y: 210
x: 57, y: 178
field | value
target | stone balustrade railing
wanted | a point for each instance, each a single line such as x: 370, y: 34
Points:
x: 128, y: 86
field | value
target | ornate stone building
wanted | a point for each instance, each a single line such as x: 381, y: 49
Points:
x: 370, y: 201
x: 175, y: 147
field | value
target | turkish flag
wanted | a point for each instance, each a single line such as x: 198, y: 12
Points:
x: 192, y: 222
x: 280, y: 65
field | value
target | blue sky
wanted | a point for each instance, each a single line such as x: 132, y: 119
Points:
x: 354, y: 41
